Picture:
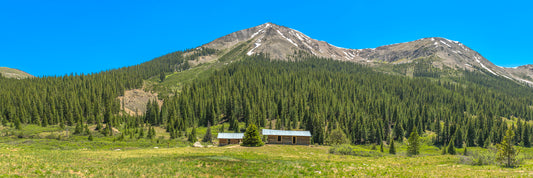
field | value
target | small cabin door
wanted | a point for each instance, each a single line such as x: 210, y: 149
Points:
x: 293, y: 140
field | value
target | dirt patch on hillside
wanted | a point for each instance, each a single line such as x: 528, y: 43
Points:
x: 203, y: 59
x: 135, y: 101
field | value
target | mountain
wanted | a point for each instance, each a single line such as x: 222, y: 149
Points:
x: 276, y: 77
x: 14, y: 73
x: 281, y: 42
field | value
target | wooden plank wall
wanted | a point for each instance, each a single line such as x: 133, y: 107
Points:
x: 287, y: 140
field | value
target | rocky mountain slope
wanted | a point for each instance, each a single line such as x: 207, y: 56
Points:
x: 14, y: 73
x: 280, y: 42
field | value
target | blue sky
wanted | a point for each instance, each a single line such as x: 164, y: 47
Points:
x: 60, y: 37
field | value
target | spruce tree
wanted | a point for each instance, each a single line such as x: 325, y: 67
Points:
x: 392, y: 149
x: 149, y: 134
x: 208, y: 136
x: 252, y: 138
x: 162, y: 76
x: 398, y: 131
x: 506, y: 152
x: 192, y: 136
x: 413, y: 147
x: 79, y: 128
x: 458, y: 138
x: 451, y: 147
x: 525, y: 137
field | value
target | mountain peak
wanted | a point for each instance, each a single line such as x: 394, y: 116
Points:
x: 281, y: 42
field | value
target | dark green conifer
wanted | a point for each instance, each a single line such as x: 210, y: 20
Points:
x: 252, y: 137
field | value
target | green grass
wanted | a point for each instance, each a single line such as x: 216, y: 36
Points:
x: 175, y: 81
x: 75, y: 156
x: 235, y: 161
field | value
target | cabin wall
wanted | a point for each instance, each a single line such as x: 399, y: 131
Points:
x: 288, y: 140
x: 222, y: 142
x: 235, y: 141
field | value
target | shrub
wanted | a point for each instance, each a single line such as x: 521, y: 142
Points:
x: 337, y: 137
x: 346, y: 149
x: 478, y: 158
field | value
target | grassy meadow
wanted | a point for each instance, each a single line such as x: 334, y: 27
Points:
x: 40, y: 153
x: 231, y: 161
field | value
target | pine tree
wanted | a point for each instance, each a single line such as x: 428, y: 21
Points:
x: 149, y: 135
x: 458, y: 138
x: 525, y: 136
x: 141, y: 133
x: 162, y: 76
x: 451, y: 147
x: 86, y: 130
x: 208, y: 136
x: 252, y: 138
x: 17, y: 124
x: 79, y: 128
x: 381, y: 146
x: 398, y: 130
x: 392, y: 149
x: 153, y: 132
x: 413, y: 147
x: 90, y: 137
x: 465, y: 153
x: 506, y: 152
x: 192, y: 136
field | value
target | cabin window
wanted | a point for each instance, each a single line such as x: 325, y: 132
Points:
x: 279, y: 138
x: 293, y: 140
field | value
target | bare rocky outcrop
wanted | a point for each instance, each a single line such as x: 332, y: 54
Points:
x: 134, y: 101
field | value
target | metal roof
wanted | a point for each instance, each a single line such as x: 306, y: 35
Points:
x: 230, y: 135
x: 286, y: 132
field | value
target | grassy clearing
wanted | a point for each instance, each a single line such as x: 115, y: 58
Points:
x: 266, y: 161
x: 77, y: 157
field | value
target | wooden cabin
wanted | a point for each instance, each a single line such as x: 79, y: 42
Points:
x: 287, y: 137
x: 229, y: 138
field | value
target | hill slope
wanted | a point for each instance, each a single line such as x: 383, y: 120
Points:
x: 14, y: 73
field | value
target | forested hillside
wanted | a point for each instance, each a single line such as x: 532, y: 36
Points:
x: 321, y: 95
x: 308, y: 93
x: 77, y: 98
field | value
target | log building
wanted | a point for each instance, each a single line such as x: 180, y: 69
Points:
x: 287, y: 137
x: 229, y: 138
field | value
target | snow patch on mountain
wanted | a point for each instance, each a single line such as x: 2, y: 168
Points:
x: 445, y: 44
x: 485, y: 67
x: 257, y: 44
x: 287, y: 38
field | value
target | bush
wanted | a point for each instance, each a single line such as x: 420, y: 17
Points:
x: 346, y: 149
x: 478, y: 158
x: 343, y: 149
x: 337, y: 137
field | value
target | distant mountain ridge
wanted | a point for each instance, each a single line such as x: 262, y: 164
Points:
x: 14, y: 73
x: 280, y: 42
